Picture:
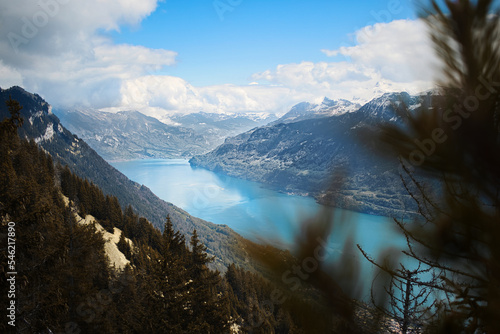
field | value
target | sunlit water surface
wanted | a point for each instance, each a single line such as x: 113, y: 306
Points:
x: 253, y: 210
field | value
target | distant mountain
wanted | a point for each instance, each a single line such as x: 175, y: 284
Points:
x: 217, y: 127
x: 129, y: 135
x: 132, y: 135
x: 41, y: 125
x: 327, y: 108
x: 301, y: 156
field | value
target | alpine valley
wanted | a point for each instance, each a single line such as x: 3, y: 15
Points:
x: 297, y: 153
x: 314, y: 146
x: 45, y: 128
x: 79, y: 262
x: 85, y: 230
x: 127, y: 134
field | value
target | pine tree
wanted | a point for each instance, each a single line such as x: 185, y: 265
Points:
x: 69, y: 185
x: 457, y: 230
x: 129, y: 302
x: 167, y: 286
x: 88, y: 274
x: 124, y: 247
x: 409, y: 294
x: 209, y: 312
x: 9, y: 141
x: 58, y: 262
x: 174, y: 242
x: 114, y: 211
x: 10, y: 125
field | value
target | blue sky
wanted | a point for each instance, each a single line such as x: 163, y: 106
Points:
x: 220, y: 43
x: 181, y: 56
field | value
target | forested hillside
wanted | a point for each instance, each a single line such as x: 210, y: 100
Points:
x: 66, y: 283
x: 41, y: 125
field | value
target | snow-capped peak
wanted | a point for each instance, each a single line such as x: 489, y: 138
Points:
x: 326, y: 108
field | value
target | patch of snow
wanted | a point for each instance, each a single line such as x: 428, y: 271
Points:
x: 415, y: 106
x: 166, y: 120
x: 257, y: 116
x: 432, y: 91
x: 39, y: 113
x: 49, y: 133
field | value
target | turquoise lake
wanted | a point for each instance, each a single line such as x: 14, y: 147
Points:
x: 251, y: 209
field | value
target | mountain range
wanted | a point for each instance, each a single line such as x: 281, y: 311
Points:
x: 127, y: 135
x: 297, y: 153
x: 221, y: 125
x: 307, y: 110
x: 311, y: 148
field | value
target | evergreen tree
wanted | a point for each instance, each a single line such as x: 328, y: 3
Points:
x: 209, y: 312
x: 174, y: 242
x: 456, y: 232
x: 59, y: 262
x: 10, y: 125
x: 114, y: 211
x: 167, y: 287
x: 88, y: 274
x: 9, y: 141
x: 124, y: 247
x: 410, y: 295
x: 129, y: 302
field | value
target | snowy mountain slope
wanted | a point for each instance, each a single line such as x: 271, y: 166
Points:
x: 128, y: 135
x: 132, y: 135
x: 217, y: 127
x: 327, y: 108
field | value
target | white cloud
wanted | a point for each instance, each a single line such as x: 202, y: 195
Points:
x: 383, y: 59
x: 9, y: 76
x: 94, y: 79
x: 53, y: 47
x: 169, y: 94
x: 56, y: 48
x: 308, y: 76
x: 55, y: 26
x: 394, y: 56
x: 400, y: 50
x: 166, y: 92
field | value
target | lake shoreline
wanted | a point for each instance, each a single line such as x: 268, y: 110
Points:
x: 258, y: 213
x: 320, y: 198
